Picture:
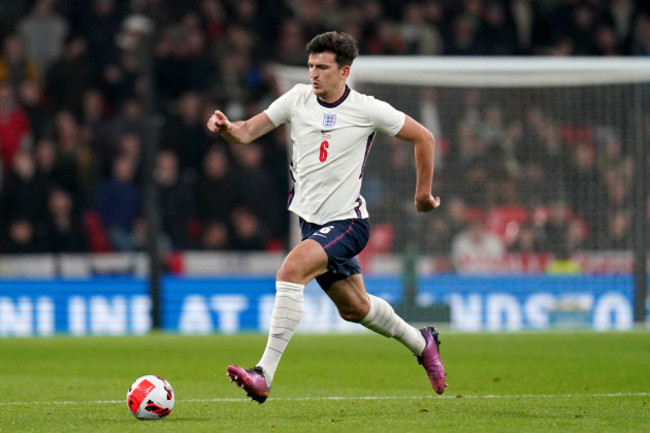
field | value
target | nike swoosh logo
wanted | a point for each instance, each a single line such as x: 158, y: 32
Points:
x: 325, y: 131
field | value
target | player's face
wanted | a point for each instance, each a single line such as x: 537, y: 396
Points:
x: 327, y: 79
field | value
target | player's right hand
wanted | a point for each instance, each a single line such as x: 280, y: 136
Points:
x: 218, y: 122
x: 426, y: 204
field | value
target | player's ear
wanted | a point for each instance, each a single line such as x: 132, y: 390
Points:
x: 345, y: 71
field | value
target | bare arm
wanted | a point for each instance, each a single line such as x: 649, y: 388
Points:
x: 240, y: 132
x: 424, y: 143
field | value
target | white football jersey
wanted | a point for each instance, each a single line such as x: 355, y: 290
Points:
x: 331, y: 142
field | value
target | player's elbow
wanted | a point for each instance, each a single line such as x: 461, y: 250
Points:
x: 428, y: 138
x: 425, y: 141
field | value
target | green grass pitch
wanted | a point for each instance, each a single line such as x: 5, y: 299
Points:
x: 520, y: 382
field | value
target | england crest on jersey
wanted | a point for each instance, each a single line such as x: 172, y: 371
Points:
x: 329, y: 120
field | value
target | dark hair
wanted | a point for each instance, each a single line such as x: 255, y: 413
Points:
x: 341, y: 44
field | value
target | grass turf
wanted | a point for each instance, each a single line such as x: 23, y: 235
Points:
x: 532, y: 382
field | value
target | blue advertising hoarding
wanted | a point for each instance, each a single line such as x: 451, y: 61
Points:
x: 118, y: 306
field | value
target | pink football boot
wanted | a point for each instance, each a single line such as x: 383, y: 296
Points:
x: 430, y: 360
x: 252, y: 381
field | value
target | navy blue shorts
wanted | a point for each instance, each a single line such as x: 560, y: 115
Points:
x: 342, y: 241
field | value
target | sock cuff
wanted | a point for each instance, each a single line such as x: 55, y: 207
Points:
x: 285, y: 285
x: 372, y: 311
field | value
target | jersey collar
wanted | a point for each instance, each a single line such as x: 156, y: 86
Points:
x: 337, y: 102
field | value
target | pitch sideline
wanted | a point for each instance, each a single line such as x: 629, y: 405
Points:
x: 346, y: 398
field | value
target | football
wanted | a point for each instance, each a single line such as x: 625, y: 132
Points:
x: 150, y: 397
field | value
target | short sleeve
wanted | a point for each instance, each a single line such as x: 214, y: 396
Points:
x: 279, y: 111
x: 385, y: 117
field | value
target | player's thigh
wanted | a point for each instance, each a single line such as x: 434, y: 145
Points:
x: 350, y: 297
x: 303, y: 263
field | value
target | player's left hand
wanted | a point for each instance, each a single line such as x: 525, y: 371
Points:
x: 426, y: 204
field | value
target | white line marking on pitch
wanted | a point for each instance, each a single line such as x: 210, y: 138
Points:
x: 334, y: 398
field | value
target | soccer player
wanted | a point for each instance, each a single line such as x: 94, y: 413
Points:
x: 332, y: 129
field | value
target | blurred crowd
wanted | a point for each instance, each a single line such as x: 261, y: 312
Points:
x: 524, y: 178
x: 77, y: 105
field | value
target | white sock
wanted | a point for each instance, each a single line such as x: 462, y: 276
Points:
x: 285, y: 317
x: 382, y: 319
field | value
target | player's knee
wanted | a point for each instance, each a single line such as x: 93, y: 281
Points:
x: 291, y: 273
x: 355, y: 312
x: 351, y: 315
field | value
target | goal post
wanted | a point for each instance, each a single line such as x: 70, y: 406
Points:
x: 546, y: 154
x: 485, y: 71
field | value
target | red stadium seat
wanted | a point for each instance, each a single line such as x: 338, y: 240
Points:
x: 380, y: 242
x: 504, y: 221
x: 97, y: 239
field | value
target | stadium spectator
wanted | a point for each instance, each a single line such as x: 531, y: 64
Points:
x: 161, y: 12
x: 15, y: 130
x: 577, y: 234
x: 21, y: 238
x: 25, y: 192
x: 623, y: 13
x: 440, y: 232
x: 291, y: 43
x: 214, y: 236
x: 215, y: 194
x: 12, y: 12
x: 617, y: 234
x: 556, y: 226
x: 497, y: 34
x: 529, y: 25
x: 582, y: 28
x: 469, y: 174
x: 584, y: 184
x: 420, y: 37
x: 185, y: 134
x: 43, y: 32
x: 386, y: 40
x: 562, y: 262
x: 248, y: 232
x: 255, y: 189
x: 117, y: 202
x: 75, y: 157
x: 118, y: 81
x: 15, y: 66
x: 214, y: 19
x: 48, y: 167
x: 528, y: 240
x: 176, y: 201
x: 31, y: 99
x: 140, y: 238
x: 200, y: 66
x: 130, y: 145
x: 606, y: 42
x: 64, y: 230
x: 99, y: 26
x: 69, y: 76
x: 475, y: 249
x: 128, y: 119
x: 463, y: 39
x: 640, y: 45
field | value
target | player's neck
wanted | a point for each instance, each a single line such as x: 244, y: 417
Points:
x: 334, y: 96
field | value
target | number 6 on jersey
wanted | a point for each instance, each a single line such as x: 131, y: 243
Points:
x: 323, y: 151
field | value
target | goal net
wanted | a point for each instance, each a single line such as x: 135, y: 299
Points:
x: 537, y: 164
